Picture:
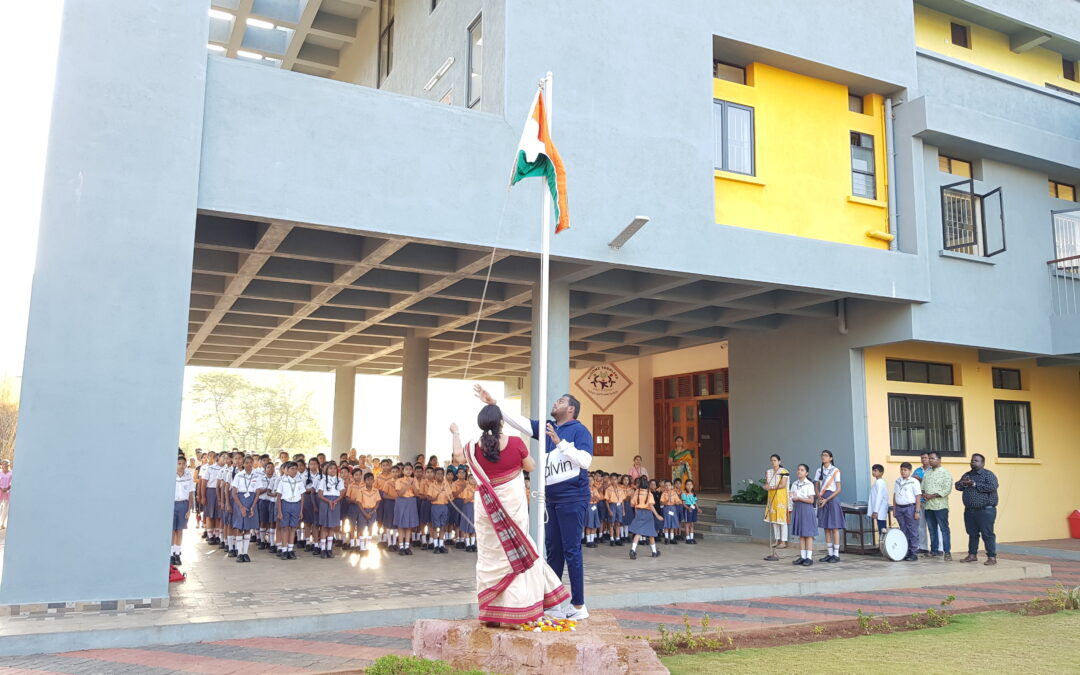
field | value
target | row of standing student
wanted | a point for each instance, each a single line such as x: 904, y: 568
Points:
x: 244, y: 499
x: 616, y: 505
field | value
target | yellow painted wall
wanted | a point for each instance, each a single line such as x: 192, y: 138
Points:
x: 633, y: 412
x: 802, y: 158
x: 1036, y: 495
x: 989, y: 49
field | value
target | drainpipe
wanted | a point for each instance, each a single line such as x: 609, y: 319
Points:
x: 841, y: 316
x: 890, y: 157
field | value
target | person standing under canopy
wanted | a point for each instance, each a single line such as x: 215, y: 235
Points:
x: 569, y: 453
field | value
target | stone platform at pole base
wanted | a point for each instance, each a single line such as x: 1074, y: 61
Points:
x: 597, y: 647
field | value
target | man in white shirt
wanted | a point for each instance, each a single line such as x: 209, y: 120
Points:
x: 183, y: 503
x: 906, y: 495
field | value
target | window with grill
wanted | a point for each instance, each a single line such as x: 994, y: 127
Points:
x: 1067, y: 239
x: 919, y: 424
x: 960, y: 35
x: 1013, y: 419
x: 957, y: 167
x: 386, y: 38
x: 863, y: 183
x: 733, y: 132
x: 1062, y: 191
x: 923, y: 372
x: 1006, y: 378
x: 965, y: 225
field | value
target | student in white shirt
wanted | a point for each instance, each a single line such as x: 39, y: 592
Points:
x: 878, y: 504
x: 290, y: 492
x: 183, y: 503
x: 246, y: 487
x: 803, y: 518
x: 267, y: 508
x: 906, y: 495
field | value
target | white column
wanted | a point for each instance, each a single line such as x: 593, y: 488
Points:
x: 558, y: 366
x: 344, y: 405
x: 104, y: 365
x: 414, y: 396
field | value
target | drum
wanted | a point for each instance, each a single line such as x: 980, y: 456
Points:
x: 894, y: 544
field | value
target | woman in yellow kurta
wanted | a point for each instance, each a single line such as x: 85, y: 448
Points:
x: 776, y: 506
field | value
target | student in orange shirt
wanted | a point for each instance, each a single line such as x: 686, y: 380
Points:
x: 368, y: 500
x: 406, y: 514
x: 465, y: 494
x: 614, y: 498
x: 440, y: 493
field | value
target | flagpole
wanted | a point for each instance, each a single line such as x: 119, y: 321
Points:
x: 541, y: 385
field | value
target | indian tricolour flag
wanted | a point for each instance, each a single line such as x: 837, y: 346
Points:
x: 537, y: 156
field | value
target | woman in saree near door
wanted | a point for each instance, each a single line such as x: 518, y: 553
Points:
x: 682, y: 462
x: 514, y: 585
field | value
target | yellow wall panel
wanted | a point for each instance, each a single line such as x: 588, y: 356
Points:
x: 1036, y: 495
x: 990, y: 50
x: 802, y: 181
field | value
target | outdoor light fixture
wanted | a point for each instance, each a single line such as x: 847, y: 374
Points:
x: 630, y: 230
x: 249, y: 55
x: 218, y: 14
x: 215, y: 48
x: 439, y: 73
x: 259, y: 23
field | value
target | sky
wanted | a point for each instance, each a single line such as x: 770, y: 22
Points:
x: 27, y: 82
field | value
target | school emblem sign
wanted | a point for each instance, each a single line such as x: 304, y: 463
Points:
x: 604, y: 384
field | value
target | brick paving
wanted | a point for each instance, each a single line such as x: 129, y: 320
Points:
x: 355, y: 649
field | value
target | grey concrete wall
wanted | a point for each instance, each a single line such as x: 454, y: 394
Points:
x: 385, y: 163
x: 422, y: 42
x: 801, y: 389
x: 105, y: 347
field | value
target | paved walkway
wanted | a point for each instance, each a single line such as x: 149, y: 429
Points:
x: 275, y: 597
x: 354, y: 649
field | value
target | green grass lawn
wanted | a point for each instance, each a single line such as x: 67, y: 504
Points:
x: 987, y: 642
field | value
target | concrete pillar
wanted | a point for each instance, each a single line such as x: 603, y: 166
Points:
x: 103, y: 372
x: 558, y: 369
x: 344, y: 405
x: 414, y: 395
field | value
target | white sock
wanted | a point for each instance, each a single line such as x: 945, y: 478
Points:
x: 653, y: 547
x: 472, y: 541
x: 330, y: 542
x: 633, y: 546
x: 232, y: 542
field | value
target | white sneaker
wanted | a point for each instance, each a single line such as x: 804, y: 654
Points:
x: 575, y: 614
x: 558, y: 612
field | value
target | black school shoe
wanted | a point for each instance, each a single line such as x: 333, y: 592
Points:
x: 460, y: 545
x: 174, y: 559
x: 827, y: 558
x: 633, y: 554
x: 807, y: 562
x: 834, y: 559
x: 329, y: 553
x: 655, y: 554
x: 233, y: 553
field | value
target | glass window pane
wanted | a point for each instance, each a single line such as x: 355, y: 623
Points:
x: 862, y: 159
x: 863, y: 185
x: 855, y: 103
x: 724, y: 71
x: 476, y: 45
x: 943, y: 164
x: 940, y: 373
x: 718, y: 135
x: 916, y: 371
x: 702, y: 385
x: 1066, y: 192
x: 894, y: 370
x: 690, y: 413
x: 739, y: 140
x: 690, y: 434
x: 961, y: 168
x: 676, y: 414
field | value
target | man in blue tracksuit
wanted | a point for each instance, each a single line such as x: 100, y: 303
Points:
x: 566, y: 490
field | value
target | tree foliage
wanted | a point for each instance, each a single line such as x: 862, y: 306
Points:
x: 255, y: 418
x: 9, y: 418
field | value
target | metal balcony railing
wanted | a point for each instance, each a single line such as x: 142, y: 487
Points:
x: 1064, y: 276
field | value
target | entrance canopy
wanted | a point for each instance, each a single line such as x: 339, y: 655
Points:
x: 296, y: 297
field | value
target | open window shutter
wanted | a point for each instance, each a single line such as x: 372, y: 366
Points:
x: 993, y: 222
